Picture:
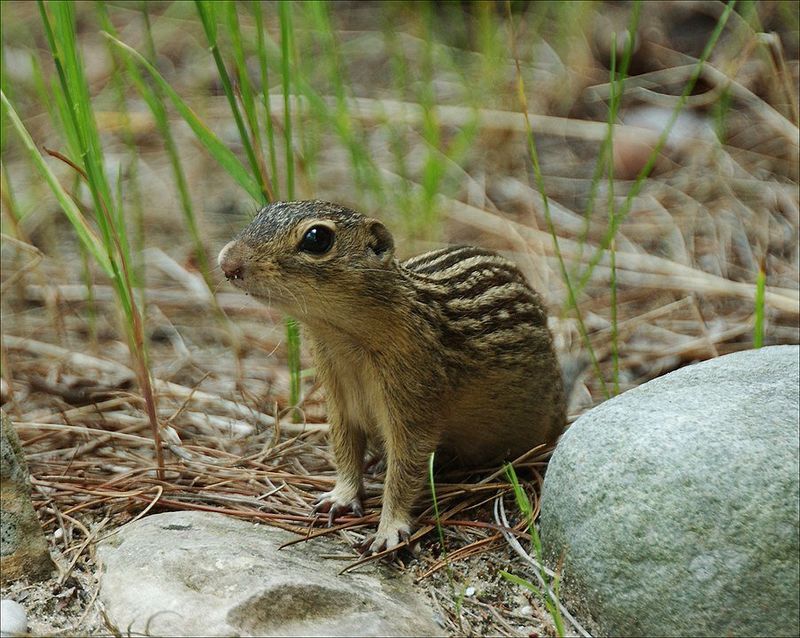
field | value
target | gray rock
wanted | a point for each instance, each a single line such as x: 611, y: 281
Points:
x: 675, y: 505
x: 13, y: 619
x: 23, y: 547
x: 193, y: 573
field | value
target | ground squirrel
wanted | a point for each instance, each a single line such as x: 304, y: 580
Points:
x: 447, y: 351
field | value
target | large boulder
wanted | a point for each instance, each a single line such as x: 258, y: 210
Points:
x: 675, y: 505
x: 23, y: 546
x: 201, y: 574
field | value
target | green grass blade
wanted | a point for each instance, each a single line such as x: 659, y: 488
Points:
x: 221, y: 153
x: 437, y: 516
x: 293, y: 360
x: 539, y: 180
x: 285, y: 14
x: 546, y: 597
x: 155, y: 103
x: 512, y: 578
x: 86, y: 235
x: 605, y: 154
x: 366, y: 174
x: 207, y: 12
x: 292, y: 327
x: 399, y: 142
x: 758, y: 327
x: 523, y: 503
x: 246, y: 93
x: 44, y: 94
x: 263, y: 67
x: 76, y: 108
x: 8, y: 197
x: 662, y: 140
x: 550, y: 598
x: 458, y: 596
x: 615, y: 99
x: 77, y: 112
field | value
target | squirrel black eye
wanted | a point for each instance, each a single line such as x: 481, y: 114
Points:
x: 317, y: 240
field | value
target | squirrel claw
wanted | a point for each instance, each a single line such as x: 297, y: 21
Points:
x: 392, y: 540
x: 329, y: 504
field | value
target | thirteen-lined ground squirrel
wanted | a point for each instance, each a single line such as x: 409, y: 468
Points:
x: 446, y: 351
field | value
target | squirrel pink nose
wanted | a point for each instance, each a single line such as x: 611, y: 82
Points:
x: 230, y: 262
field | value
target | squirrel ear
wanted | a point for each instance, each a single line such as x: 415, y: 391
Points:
x: 380, y: 241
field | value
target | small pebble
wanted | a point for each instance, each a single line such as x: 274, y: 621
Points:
x: 469, y: 591
x: 13, y: 620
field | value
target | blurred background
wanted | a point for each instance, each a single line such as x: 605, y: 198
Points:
x: 411, y: 112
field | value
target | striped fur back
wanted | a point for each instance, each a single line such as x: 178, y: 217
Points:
x: 481, y: 297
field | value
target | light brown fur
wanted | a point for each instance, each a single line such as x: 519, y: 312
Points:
x: 449, y: 350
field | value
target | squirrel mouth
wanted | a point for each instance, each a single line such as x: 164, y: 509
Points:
x: 231, y: 261
x: 233, y: 276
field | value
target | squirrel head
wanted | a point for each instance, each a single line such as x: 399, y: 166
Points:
x: 312, y: 259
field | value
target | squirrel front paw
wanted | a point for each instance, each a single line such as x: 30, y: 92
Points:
x: 334, y: 504
x: 390, y: 535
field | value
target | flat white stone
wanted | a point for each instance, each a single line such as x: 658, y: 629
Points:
x: 195, y: 573
x: 13, y: 619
